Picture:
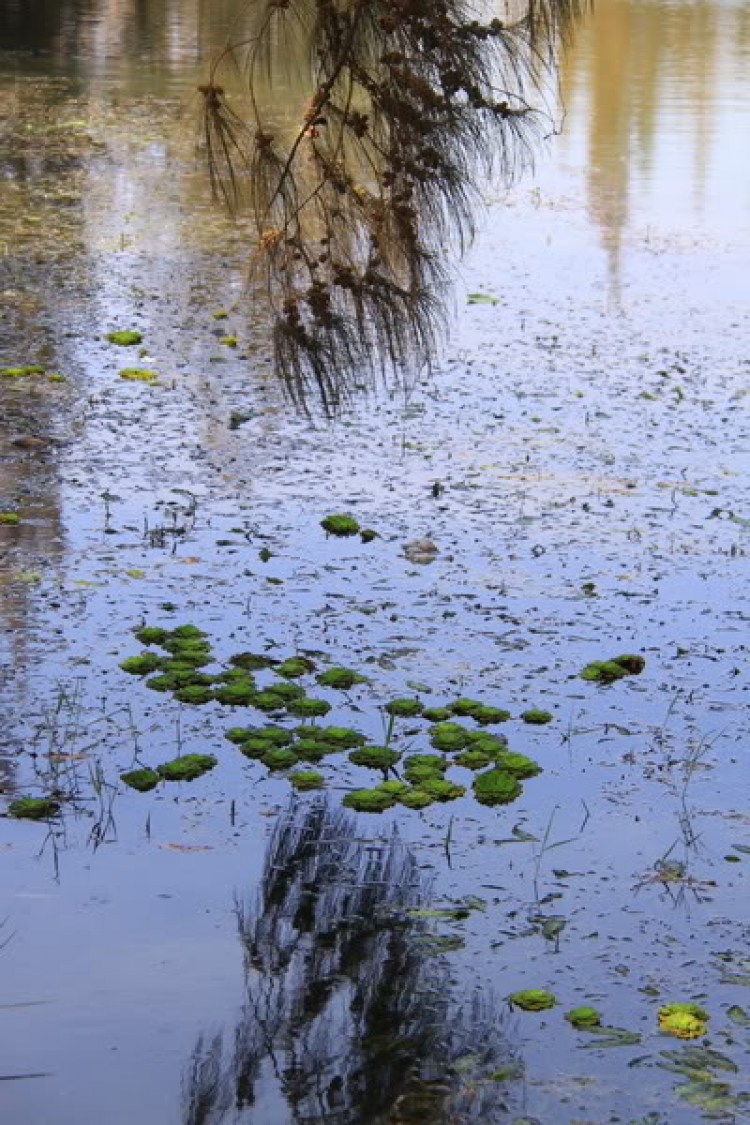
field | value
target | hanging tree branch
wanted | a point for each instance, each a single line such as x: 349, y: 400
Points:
x: 411, y: 103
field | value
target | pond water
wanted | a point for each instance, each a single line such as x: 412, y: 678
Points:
x: 216, y: 951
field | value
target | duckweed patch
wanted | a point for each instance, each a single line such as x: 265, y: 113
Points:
x: 187, y: 768
x: 33, y: 808
x: 404, y: 708
x: 125, y: 337
x: 374, y: 757
x: 532, y: 1000
x: 369, y: 800
x: 280, y: 758
x: 518, y: 765
x: 196, y: 694
x: 303, y: 780
x: 309, y: 708
x: 495, y: 787
x: 142, y: 780
x: 340, y: 679
x: 415, y: 799
x: 295, y: 667
x: 440, y: 789
x: 343, y: 525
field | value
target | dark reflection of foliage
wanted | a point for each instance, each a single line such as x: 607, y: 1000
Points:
x: 408, y: 102
x: 350, y: 1018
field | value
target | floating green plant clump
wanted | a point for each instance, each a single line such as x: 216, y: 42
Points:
x: 608, y: 671
x: 532, y: 1000
x: 303, y: 780
x: 683, y: 1020
x: 415, y: 799
x: 437, y: 714
x: 583, y: 1017
x: 495, y: 787
x: 369, y: 800
x: 309, y: 708
x: 340, y: 679
x: 340, y: 525
x: 151, y: 635
x: 10, y: 519
x: 440, y: 789
x: 33, y: 808
x: 141, y: 665
x: 139, y: 374
x: 404, y: 708
x: 374, y: 757
x: 187, y: 768
x: 196, y: 694
x: 450, y: 737
x: 20, y: 372
x: 280, y: 758
x: 143, y: 780
x: 126, y: 337
x: 295, y: 667
x: 537, y: 717
x: 241, y: 693
x: 518, y: 765
x: 285, y: 691
x: 423, y: 767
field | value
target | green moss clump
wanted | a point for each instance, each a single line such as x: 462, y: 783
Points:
x: 307, y: 779
x: 251, y: 661
x: 493, y: 745
x: 532, y: 999
x: 279, y: 736
x: 151, y: 635
x: 583, y: 1017
x: 344, y: 738
x: 340, y: 525
x: 518, y: 765
x: 295, y: 667
x: 56, y: 377
x: 310, y: 750
x: 488, y: 716
x: 195, y: 694
x: 424, y: 767
x: 143, y: 780
x: 369, y: 800
x: 280, y: 758
x: 374, y: 757
x: 341, y: 679
x: 257, y: 748
x: 285, y: 691
x: 239, y: 735
x: 537, y: 717
x: 141, y: 665
x: 415, y: 799
x: 450, y: 737
x: 683, y: 1025
x: 139, y: 374
x: 187, y: 768
x: 632, y: 663
x: 189, y: 633
x: 165, y: 682
x: 440, y: 789
x: 19, y: 372
x: 607, y: 671
x: 309, y: 708
x: 184, y: 674
x: 125, y: 337
x: 396, y: 788
x: 367, y: 534
x: 683, y: 1008
x: 229, y: 341
x: 496, y: 787
x: 241, y: 693
x: 33, y: 808
x: 465, y: 707
x: 404, y: 708
x: 473, y: 759
x: 437, y: 714
x: 10, y: 519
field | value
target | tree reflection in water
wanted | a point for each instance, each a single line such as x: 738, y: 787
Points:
x: 350, y: 1016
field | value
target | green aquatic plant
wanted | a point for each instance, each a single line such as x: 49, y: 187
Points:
x: 187, y: 768
x: 143, y: 780
x: 312, y: 750
x: 517, y: 764
x: 19, y: 372
x: 309, y: 708
x: 584, y: 1016
x: 250, y: 661
x: 141, y: 665
x: 195, y: 694
x: 496, y: 787
x: 151, y: 635
x: 238, y: 735
x: 256, y: 747
x: 340, y: 525
x: 684, y: 1020
x: 450, y: 737
x: 608, y: 671
x: 536, y: 717
x: 404, y: 708
x: 280, y: 758
x: 10, y: 519
x: 532, y: 999
x: 125, y: 337
x: 424, y: 767
x: 240, y: 693
x: 285, y: 691
x: 33, y: 808
x: 307, y: 779
x: 437, y: 714
x: 395, y: 788
x: 340, y: 679
x: 344, y: 738
x: 295, y: 667
x: 367, y: 534
x: 440, y: 789
x: 488, y: 716
x: 415, y: 799
x: 229, y: 341
x: 189, y: 633
x: 465, y: 707
x: 167, y: 681
x: 139, y: 374
x: 369, y: 800
x: 374, y: 757
x: 473, y: 759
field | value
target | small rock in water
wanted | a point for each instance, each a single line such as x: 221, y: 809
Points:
x: 421, y: 551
